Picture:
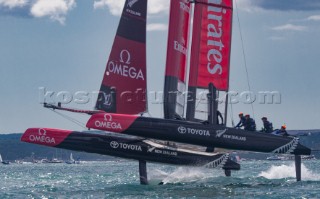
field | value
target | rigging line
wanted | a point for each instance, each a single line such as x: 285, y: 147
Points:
x: 232, y: 119
x: 244, y: 56
x: 70, y: 119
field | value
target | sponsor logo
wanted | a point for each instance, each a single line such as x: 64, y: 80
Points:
x: 219, y: 133
x: 123, y: 67
x: 235, y: 137
x: 132, y: 147
x: 214, y: 40
x: 185, y: 7
x: 107, y: 99
x: 108, y: 123
x: 184, y: 130
x: 151, y: 149
x: 180, y: 47
x: 132, y: 2
x: 130, y: 9
x: 161, y: 151
x: 42, y: 137
x: 114, y: 144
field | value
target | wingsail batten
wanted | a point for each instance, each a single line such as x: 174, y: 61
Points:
x: 123, y: 88
x: 176, y: 64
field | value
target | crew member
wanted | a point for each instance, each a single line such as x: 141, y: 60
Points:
x: 206, y: 122
x: 249, y: 124
x: 219, y: 115
x: 282, y: 131
x: 242, y: 121
x: 267, y: 126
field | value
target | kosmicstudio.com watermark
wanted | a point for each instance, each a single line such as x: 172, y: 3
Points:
x: 156, y: 97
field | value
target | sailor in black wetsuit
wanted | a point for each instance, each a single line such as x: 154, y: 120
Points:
x: 267, y: 126
x: 249, y: 124
x: 242, y: 121
x: 206, y: 122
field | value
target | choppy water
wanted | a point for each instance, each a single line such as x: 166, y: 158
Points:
x: 260, y: 179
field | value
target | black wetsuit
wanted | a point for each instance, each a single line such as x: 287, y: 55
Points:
x: 250, y: 124
x: 241, y: 122
x: 267, y: 127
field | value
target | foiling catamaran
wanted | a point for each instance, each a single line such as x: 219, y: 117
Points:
x: 126, y: 73
x: 122, y: 96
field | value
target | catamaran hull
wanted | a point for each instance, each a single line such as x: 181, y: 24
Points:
x: 197, y: 134
x: 125, y: 147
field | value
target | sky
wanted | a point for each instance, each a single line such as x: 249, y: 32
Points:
x: 63, y: 45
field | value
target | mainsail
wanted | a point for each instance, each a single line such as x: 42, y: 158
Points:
x: 123, y: 88
x: 175, y: 76
x: 211, y: 47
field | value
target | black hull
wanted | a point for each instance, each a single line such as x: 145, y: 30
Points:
x: 134, y: 148
x: 198, y: 134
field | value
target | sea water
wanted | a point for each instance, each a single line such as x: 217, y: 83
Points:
x: 120, y: 179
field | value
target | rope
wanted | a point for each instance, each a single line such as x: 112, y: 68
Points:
x: 232, y: 119
x: 70, y: 119
x: 244, y: 56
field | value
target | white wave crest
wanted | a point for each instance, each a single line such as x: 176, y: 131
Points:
x: 288, y: 171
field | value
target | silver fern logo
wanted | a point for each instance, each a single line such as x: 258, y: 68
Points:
x: 132, y: 2
x: 219, y: 133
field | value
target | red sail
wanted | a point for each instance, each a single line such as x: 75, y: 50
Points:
x: 123, y: 88
x: 176, y: 58
x: 211, y: 44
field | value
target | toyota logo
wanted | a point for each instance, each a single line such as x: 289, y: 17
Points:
x: 182, y: 130
x: 114, y: 144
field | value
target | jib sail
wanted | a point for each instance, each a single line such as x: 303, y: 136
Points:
x: 175, y: 76
x: 211, y: 47
x: 123, y: 88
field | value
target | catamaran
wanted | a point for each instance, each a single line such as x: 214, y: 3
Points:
x: 126, y: 74
x: 122, y: 99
